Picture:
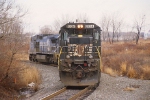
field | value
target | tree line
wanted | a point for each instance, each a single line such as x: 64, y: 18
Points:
x: 112, y: 27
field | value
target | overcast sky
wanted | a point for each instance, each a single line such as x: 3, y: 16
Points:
x: 45, y: 12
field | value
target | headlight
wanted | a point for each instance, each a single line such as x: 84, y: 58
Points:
x: 89, y: 65
x: 69, y: 65
x: 90, y: 56
x: 68, y: 56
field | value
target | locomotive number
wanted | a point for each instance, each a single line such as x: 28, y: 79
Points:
x: 89, y: 26
x: 71, y: 26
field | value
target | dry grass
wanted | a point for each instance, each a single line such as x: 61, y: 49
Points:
x: 127, y: 59
x: 10, y: 65
x: 22, y: 56
x: 129, y: 89
x: 131, y: 73
x: 8, y: 94
x: 110, y: 71
x: 146, y: 72
x: 18, y: 77
x: 123, y: 70
x: 19, y: 74
x: 28, y: 75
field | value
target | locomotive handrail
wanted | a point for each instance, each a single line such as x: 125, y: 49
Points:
x: 59, y: 56
x: 86, y: 47
x: 84, y: 54
x: 75, y: 46
x: 99, y: 54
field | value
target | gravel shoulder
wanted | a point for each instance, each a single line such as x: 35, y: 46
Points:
x: 110, y: 88
x: 121, y: 88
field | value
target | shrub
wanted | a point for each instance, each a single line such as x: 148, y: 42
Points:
x: 131, y: 72
x: 28, y: 75
x: 110, y: 71
x: 20, y: 75
x: 145, y: 72
x: 123, y: 70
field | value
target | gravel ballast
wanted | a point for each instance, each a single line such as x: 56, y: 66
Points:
x: 110, y: 88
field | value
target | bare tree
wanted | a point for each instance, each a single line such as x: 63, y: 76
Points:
x: 11, y: 39
x: 129, y: 34
x: 46, y: 29
x: 111, y: 26
x: 116, y: 25
x: 7, y: 16
x: 82, y: 18
x: 107, y: 29
x: 59, y: 22
x: 105, y: 24
x: 118, y: 33
x: 12, y: 44
x: 138, y: 26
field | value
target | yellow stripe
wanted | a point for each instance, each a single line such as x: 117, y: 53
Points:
x: 99, y: 57
x: 59, y: 57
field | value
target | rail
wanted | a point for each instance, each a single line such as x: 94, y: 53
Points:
x: 74, y: 97
x: 54, y: 94
x: 79, y: 93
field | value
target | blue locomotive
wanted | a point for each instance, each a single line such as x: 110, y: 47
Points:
x: 44, y: 48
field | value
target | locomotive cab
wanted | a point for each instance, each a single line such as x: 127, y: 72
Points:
x: 80, y: 52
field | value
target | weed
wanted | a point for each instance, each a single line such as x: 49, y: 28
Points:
x: 131, y: 72
x: 123, y: 70
x: 110, y: 71
x: 129, y: 89
x: 146, y: 72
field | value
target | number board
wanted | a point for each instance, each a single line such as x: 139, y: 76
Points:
x: 89, y: 26
x: 71, y: 26
x: 74, y: 26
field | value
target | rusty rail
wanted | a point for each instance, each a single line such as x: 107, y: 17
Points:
x: 74, y: 97
x: 79, y: 93
x: 54, y: 94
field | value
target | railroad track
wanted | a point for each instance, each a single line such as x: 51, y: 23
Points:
x: 60, y: 94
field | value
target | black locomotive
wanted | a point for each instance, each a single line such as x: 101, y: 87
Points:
x: 79, y: 54
x: 44, y: 48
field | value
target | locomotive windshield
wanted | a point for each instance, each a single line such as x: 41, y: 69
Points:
x: 81, y: 31
x: 80, y: 40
